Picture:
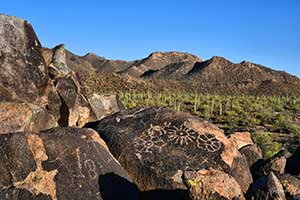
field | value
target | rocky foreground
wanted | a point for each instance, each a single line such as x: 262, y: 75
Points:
x: 57, y: 143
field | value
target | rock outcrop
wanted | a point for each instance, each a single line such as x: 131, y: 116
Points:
x: 157, y: 146
x: 24, y: 74
x: 58, y: 164
x: 77, y: 109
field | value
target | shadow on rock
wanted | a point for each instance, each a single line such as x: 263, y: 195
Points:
x: 114, y: 187
x: 293, y: 163
x: 165, y: 194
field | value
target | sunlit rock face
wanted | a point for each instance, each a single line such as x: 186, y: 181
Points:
x: 19, y: 117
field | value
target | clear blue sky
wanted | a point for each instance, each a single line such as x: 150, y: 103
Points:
x: 262, y: 31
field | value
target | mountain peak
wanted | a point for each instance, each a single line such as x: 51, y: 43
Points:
x: 172, y: 54
x: 219, y: 59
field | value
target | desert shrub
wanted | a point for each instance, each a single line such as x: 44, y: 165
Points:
x: 266, y: 142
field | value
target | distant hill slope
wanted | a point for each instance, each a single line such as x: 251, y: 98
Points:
x: 184, y: 71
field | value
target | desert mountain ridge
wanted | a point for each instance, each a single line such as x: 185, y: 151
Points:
x: 188, y: 72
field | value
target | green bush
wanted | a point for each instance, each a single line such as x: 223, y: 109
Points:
x: 267, y: 144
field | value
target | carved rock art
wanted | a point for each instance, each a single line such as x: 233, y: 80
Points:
x: 154, y: 143
x: 60, y: 163
x: 157, y: 137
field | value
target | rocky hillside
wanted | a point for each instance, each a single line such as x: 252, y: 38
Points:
x: 186, y: 72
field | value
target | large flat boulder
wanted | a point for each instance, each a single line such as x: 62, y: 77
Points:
x: 157, y: 145
x: 61, y: 163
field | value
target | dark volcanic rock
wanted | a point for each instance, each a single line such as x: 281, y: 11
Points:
x: 61, y: 163
x: 23, y: 74
x: 252, y: 153
x: 157, y: 145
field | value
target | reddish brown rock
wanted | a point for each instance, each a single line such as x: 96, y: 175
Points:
x: 17, y: 117
x: 212, y: 184
x: 156, y: 145
x: 291, y: 185
x: 241, y: 139
x: 61, y: 163
x: 278, y: 165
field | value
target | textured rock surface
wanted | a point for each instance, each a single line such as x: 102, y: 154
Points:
x: 61, y: 163
x: 291, y: 186
x: 104, y: 105
x: 23, y: 74
x: 59, y: 60
x: 278, y: 165
x: 156, y: 145
x: 212, y: 184
x: 252, y: 153
x: 16, y: 117
x: 275, y: 188
x: 241, y: 139
x: 266, y: 187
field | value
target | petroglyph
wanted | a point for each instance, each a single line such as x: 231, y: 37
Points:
x: 146, y: 143
x: 39, y: 181
x: 181, y: 135
x: 157, y: 137
x: 80, y: 175
x: 208, y: 142
x: 90, y: 165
